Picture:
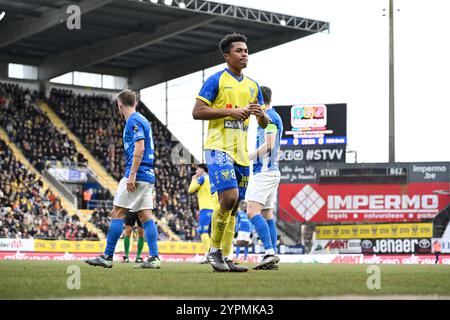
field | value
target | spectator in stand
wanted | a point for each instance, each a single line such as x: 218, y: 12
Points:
x: 27, y: 210
x: 30, y: 128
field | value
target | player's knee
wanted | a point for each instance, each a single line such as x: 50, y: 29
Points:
x: 228, y: 203
x: 228, y: 199
x: 117, y: 213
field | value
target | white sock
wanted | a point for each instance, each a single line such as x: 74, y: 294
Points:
x: 214, y: 249
x: 269, y: 252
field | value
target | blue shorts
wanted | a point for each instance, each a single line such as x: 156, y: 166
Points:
x: 225, y: 174
x: 204, y: 220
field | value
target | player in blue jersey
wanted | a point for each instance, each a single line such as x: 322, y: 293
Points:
x: 264, y: 183
x: 244, y: 229
x: 134, y: 192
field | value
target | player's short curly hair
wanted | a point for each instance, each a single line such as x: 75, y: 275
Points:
x: 226, y: 43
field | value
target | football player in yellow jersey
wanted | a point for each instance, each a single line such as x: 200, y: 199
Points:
x: 227, y: 99
x: 206, y: 202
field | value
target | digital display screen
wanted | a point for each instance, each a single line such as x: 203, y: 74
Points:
x: 313, y: 124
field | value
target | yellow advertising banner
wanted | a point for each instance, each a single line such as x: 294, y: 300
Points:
x: 85, y: 246
x: 375, y: 231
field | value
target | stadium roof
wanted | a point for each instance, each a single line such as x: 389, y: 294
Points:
x: 147, y: 41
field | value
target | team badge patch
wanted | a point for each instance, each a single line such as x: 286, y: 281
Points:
x: 252, y: 91
x: 135, y: 128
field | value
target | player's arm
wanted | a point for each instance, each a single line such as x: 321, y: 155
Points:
x: 236, y: 225
x: 139, y: 148
x: 202, y: 111
x: 193, y: 187
x: 269, y: 142
x: 196, y: 182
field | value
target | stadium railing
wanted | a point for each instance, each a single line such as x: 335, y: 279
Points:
x: 291, y: 228
x: 92, y: 204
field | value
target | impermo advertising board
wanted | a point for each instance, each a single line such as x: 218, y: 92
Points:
x: 412, y: 202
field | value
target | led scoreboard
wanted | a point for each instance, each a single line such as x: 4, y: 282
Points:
x: 313, y: 124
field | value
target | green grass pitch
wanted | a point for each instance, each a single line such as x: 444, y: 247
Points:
x: 48, y: 280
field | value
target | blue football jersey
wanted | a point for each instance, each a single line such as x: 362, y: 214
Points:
x: 138, y: 128
x: 243, y: 223
x: 269, y: 162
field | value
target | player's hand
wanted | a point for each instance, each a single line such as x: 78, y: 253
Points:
x: 256, y: 110
x: 240, y: 113
x: 131, y: 183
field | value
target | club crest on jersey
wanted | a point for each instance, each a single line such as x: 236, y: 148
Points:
x: 252, y: 91
x: 228, y: 174
x: 135, y: 128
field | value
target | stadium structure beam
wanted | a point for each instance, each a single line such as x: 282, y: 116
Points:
x: 153, y: 75
x: 20, y: 11
x: 121, y: 72
x: 56, y: 65
x: 246, y: 14
x: 9, y: 58
x: 24, y: 28
x: 45, y: 3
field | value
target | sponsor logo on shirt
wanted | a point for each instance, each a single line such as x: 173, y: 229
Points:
x: 235, y: 124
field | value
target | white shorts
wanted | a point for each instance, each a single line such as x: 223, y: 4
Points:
x: 262, y: 188
x: 243, y: 236
x: 141, y: 199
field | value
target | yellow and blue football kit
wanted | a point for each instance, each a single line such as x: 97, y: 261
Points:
x: 206, y: 204
x: 206, y: 201
x: 226, y: 151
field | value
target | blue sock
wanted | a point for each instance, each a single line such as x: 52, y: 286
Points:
x: 238, y: 251
x: 263, y: 231
x: 114, y: 232
x: 151, y: 235
x: 273, y: 233
x: 245, y: 253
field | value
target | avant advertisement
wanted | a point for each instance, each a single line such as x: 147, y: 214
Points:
x: 336, y: 246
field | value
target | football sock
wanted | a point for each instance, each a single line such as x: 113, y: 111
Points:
x: 140, y: 247
x: 245, y: 253
x: 205, y: 241
x: 263, y: 231
x: 227, y: 240
x: 238, y: 251
x: 114, y: 233
x: 219, y: 222
x: 273, y: 233
x: 126, y: 244
x: 151, y: 235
